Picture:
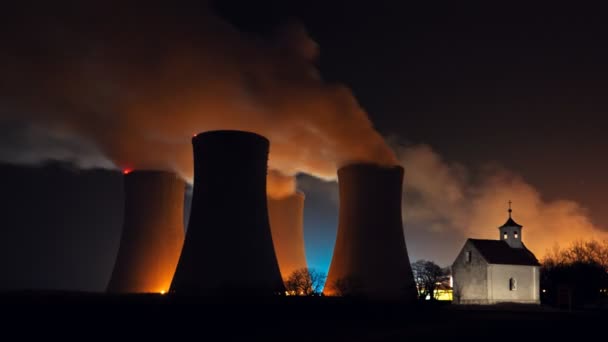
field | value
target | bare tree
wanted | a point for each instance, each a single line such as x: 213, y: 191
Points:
x: 427, y: 275
x: 591, y: 251
x: 581, y: 271
x: 305, y: 282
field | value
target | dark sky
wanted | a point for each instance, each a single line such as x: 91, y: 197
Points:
x: 522, y: 87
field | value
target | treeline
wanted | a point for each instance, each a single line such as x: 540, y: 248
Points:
x: 576, y: 276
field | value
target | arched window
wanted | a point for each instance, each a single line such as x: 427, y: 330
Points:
x: 468, y: 256
x: 504, y: 236
x: 512, y: 284
x: 515, y: 234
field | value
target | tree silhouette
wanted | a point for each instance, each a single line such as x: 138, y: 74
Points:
x: 577, y: 275
x: 305, y: 282
x: 427, y: 275
x: 591, y: 251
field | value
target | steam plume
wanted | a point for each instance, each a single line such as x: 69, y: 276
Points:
x: 444, y: 198
x: 279, y: 185
x: 137, y: 85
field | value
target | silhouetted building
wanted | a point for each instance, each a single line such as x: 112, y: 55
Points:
x: 287, y: 226
x: 228, y: 247
x: 152, y: 235
x: 370, y: 256
x: 493, y: 271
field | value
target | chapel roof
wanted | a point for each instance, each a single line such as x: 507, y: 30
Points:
x: 499, y: 252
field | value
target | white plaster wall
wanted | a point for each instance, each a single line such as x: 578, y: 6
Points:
x: 528, y: 284
x: 470, y: 278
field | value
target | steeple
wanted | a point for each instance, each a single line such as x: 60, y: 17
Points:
x: 510, y: 232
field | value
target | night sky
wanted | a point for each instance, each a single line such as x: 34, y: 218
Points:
x: 499, y: 103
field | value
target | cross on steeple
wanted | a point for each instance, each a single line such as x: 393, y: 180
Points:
x: 510, y: 210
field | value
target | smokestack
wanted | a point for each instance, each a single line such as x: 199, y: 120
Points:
x: 153, y: 232
x: 228, y: 245
x: 370, y: 256
x: 287, y: 226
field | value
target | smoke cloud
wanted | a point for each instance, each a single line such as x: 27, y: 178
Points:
x: 24, y: 144
x: 127, y: 88
x: 132, y: 87
x: 443, y: 198
x: 279, y: 185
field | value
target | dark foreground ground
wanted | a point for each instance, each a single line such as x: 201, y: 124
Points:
x: 96, y: 316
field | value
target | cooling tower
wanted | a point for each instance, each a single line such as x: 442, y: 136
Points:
x: 287, y: 226
x: 370, y: 257
x: 228, y: 247
x: 152, y: 235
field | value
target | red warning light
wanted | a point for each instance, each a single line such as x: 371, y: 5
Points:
x: 127, y: 171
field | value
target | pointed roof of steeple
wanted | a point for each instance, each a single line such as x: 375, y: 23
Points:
x: 510, y: 222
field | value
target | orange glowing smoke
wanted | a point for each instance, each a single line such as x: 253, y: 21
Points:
x: 139, y: 88
x: 279, y: 185
x: 442, y: 197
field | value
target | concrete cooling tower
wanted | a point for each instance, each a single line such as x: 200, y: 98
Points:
x: 228, y: 247
x: 152, y: 235
x: 287, y: 226
x: 370, y: 256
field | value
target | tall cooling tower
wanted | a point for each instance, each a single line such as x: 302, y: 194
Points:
x: 287, y: 226
x: 228, y: 247
x: 370, y: 256
x: 153, y: 232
